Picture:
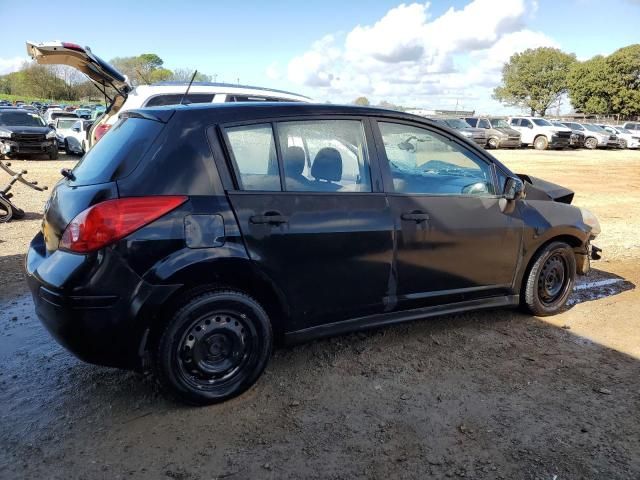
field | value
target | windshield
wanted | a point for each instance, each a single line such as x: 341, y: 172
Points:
x: 457, y: 123
x: 541, y: 122
x: 594, y: 128
x: 20, y: 119
x: 499, y: 123
x: 620, y: 130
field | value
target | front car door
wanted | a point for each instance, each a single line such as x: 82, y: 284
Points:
x: 453, y: 241
x: 310, y: 204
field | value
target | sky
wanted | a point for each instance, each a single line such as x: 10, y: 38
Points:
x: 431, y: 55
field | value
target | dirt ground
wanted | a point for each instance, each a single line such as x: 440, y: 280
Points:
x: 491, y: 395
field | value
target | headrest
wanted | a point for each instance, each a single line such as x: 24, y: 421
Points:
x: 327, y: 165
x: 293, y: 161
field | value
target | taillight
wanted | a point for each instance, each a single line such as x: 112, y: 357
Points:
x: 111, y: 220
x: 101, y: 130
x: 72, y: 46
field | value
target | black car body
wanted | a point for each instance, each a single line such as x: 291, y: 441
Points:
x: 23, y: 132
x: 330, y: 228
x: 577, y: 137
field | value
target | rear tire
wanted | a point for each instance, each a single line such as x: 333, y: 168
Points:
x: 541, y: 143
x: 213, y: 348
x: 550, y: 280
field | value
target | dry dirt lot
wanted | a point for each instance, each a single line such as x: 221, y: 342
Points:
x: 497, y: 394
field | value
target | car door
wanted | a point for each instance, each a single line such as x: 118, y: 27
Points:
x: 310, y: 205
x: 453, y: 241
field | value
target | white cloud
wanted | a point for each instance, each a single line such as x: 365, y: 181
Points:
x: 273, y: 71
x: 8, y: 65
x: 408, y: 57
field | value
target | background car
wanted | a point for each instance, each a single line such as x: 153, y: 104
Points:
x: 26, y: 133
x: 477, y: 135
x: 577, y: 137
x: 76, y: 139
x: 626, y: 138
x: 499, y: 133
x: 84, y: 113
x: 540, y: 133
x: 594, y: 136
x: 633, y: 127
x: 63, y: 126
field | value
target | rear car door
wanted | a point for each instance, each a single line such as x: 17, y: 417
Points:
x: 314, y: 217
x: 453, y: 243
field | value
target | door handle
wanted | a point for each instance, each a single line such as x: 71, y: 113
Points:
x: 271, y: 218
x: 416, y: 216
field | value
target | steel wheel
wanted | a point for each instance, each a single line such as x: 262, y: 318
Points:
x: 552, y: 280
x: 549, y: 280
x: 214, y: 349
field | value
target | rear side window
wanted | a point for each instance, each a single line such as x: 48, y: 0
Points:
x: 483, y: 124
x: 472, y: 121
x: 254, y: 155
x: 324, y: 156
x: 118, y: 152
x: 175, y: 99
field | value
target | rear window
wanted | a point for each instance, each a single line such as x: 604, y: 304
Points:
x: 118, y: 152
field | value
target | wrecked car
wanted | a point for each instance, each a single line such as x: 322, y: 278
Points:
x: 282, y: 223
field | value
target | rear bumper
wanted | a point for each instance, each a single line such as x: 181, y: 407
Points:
x: 91, y: 304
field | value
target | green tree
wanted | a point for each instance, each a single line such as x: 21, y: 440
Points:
x: 142, y: 69
x: 607, y: 84
x: 362, y: 101
x: 185, y: 74
x: 589, y: 88
x: 535, y: 79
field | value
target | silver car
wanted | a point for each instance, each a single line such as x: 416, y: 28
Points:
x: 478, y: 135
x: 499, y: 133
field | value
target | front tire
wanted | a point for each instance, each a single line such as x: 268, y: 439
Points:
x: 591, y: 143
x: 541, y: 143
x: 493, y: 143
x: 53, y: 153
x: 550, y: 280
x: 213, y: 348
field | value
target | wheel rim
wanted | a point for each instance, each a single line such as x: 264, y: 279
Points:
x: 591, y: 143
x: 553, y: 280
x: 539, y: 144
x: 215, y: 348
x: 493, y: 143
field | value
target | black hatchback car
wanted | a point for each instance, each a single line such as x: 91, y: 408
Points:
x: 192, y: 238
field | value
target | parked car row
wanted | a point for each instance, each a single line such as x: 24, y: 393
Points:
x: 542, y: 134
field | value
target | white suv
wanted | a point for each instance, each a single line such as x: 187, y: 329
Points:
x: 127, y: 97
x: 540, y: 133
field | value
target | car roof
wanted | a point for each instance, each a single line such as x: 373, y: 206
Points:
x: 248, y: 110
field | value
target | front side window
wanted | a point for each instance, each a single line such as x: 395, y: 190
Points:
x: 324, y: 156
x: 525, y: 123
x: 515, y: 122
x: 254, y: 155
x: 424, y: 162
x: 484, y: 124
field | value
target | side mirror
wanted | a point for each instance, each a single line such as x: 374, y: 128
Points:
x: 530, y: 126
x: 513, y: 189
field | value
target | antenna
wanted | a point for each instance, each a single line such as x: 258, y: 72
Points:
x: 188, y: 87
